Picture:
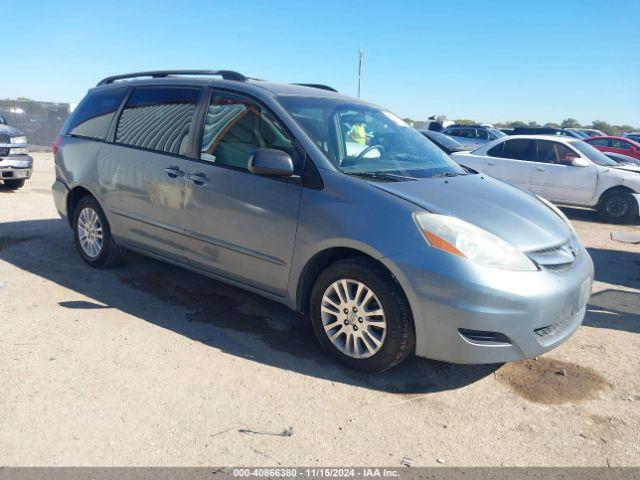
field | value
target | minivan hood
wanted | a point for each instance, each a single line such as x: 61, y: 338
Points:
x: 502, y: 209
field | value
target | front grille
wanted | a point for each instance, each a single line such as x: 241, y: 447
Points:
x: 4, y: 138
x: 547, y: 251
x: 557, y: 258
x: 558, y: 267
x: 4, y: 151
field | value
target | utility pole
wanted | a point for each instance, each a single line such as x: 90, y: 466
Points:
x: 360, y: 67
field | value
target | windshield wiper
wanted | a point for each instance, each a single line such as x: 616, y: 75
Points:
x: 390, y: 177
x: 448, y: 174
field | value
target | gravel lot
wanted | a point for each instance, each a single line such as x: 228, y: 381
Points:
x: 147, y: 364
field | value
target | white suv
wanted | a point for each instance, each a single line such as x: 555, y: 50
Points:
x: 564, y: 170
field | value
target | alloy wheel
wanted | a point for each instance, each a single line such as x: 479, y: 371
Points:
x: 90, y: 232
x: 353, y: 318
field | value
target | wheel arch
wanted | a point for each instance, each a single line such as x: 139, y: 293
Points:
x: 73, y: 197
x: 320, y: 261
x: 615, y: 188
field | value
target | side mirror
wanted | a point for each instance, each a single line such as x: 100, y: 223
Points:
x: 580, y: 162
x: 268, y: 161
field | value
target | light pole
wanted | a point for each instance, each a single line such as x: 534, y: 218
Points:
x: 360, y: 67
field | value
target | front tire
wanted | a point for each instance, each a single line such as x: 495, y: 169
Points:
x: 361, y: 316
x: 92, y: 235
x: 618, y: 207
x: 14, y: 184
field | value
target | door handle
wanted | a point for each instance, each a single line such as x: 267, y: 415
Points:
x: 491, y: 163
x: 540, y: 169
x: 174, y: 172
x: 198, y: 178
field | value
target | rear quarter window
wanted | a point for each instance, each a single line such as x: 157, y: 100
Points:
x: 496, y: 151
x: 94, y: 114
x: 158, y: 119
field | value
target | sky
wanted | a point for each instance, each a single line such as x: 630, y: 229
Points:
x: 489, y: 61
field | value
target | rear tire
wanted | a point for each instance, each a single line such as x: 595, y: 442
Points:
x: 92, y: 235
x: 370, y: 332
x: 618, y: 207
x: 14, y: 184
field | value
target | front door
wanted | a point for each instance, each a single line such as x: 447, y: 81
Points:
x: 241, y: 225
x: 555, y: 178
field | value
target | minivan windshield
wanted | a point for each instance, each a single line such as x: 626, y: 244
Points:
x: 358, y: 138
x: 596, y: 156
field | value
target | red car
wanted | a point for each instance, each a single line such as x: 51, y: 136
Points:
x: 622, y: 145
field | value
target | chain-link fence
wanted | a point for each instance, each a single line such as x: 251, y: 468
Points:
x: 39, y: 121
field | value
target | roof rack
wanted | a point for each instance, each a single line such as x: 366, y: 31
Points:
x: 317, y: 85
x: 225, y: 74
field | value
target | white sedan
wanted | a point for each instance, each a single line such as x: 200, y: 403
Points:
x: 564, y: 170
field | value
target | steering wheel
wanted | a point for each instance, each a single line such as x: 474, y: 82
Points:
x: 380, y: 148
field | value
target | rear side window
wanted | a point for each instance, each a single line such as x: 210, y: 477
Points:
x: 463, y: 132
x: 496, y: 151
x: 158, y: 119
x: 600, y: 142
x: 94, y: 114
x: 518, y: 149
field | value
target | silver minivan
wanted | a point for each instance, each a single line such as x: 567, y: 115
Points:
x: 330, y: 205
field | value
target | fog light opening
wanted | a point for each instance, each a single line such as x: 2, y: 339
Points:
x: 482, y: 337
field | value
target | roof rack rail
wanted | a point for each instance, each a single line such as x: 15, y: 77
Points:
x: 225, y: 74
x: 317, y: 85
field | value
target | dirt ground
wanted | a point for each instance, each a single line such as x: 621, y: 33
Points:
x: 147, y: 364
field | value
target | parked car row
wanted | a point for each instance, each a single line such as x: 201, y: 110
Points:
x: 621, y: 145
x: 635, y: 136
x: 566, y: 132
x: 336, y: 208
x: 570, y: 166
x: 16, y: 165
x: 562, y: 169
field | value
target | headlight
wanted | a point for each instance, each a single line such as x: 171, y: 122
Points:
x: 455, y: 236
x: 20, y: 139
x: 18, y: 151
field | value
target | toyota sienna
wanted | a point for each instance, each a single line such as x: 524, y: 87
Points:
x: 331, y: 205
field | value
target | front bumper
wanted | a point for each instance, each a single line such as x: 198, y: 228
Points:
x: 16, y: 167
x: 535, y: 311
